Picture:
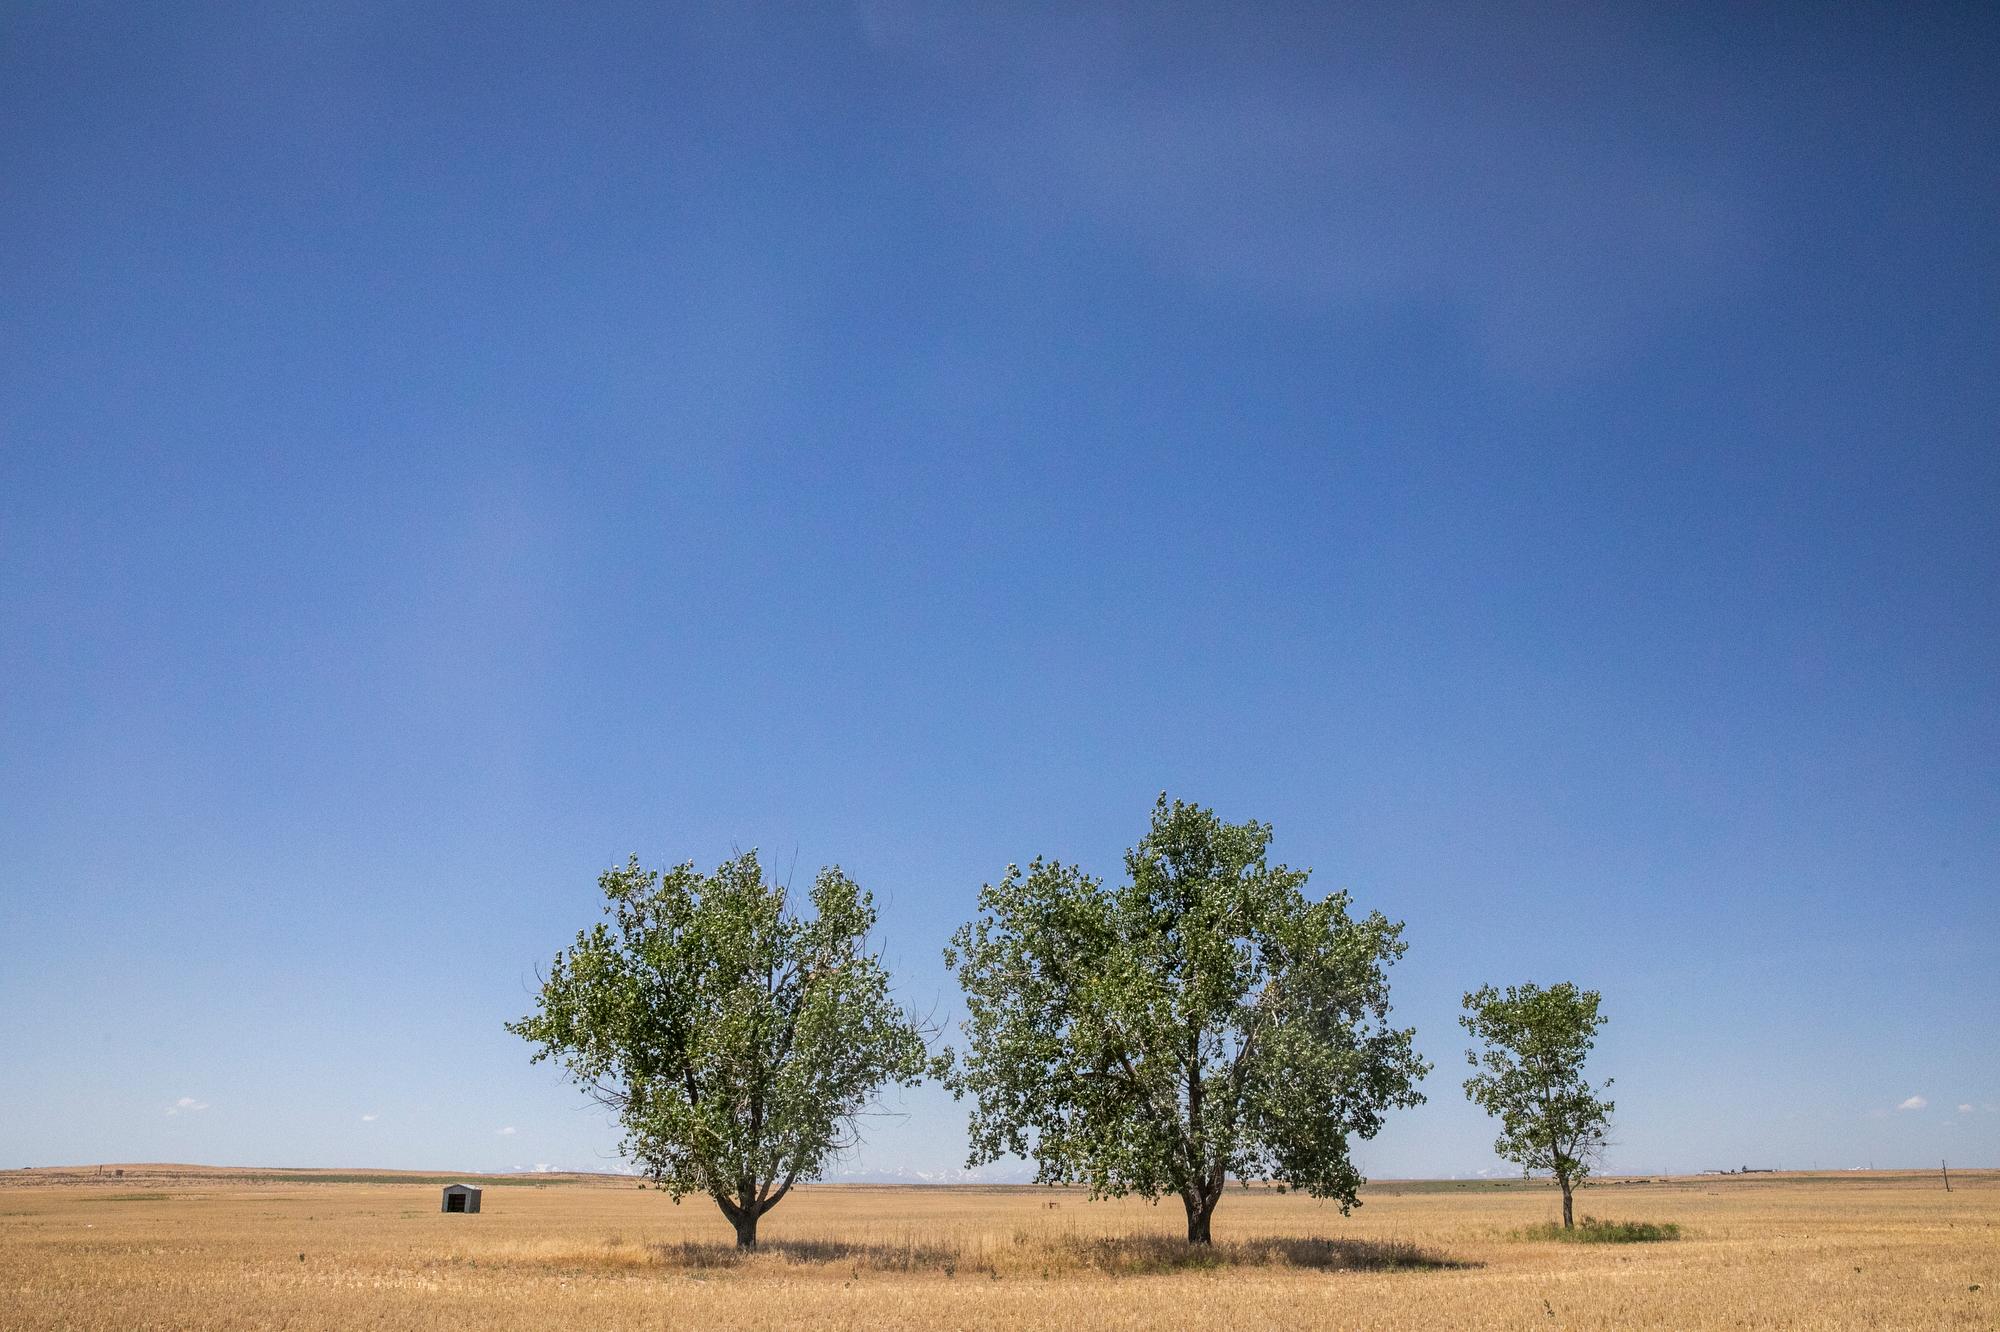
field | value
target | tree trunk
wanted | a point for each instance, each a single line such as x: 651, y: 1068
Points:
x: 1198, y: 1226
x: 742, y: 1216
x: 1199, y: 1212
x: 1569, y: 1218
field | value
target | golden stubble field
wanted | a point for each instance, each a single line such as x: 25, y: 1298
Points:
x: 175, y: 1247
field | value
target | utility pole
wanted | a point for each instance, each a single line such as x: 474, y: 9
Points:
x: 1945, y: 1170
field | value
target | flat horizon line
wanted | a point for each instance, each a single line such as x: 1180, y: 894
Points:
x: 95, y: 1169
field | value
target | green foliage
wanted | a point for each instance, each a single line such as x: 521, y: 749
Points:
x: 1204, y: 1019
x: 1531, y: 1077
x: 736, y: 1040
x: 1590, y: 1230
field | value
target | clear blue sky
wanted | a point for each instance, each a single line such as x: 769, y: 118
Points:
x: 1545, y: 462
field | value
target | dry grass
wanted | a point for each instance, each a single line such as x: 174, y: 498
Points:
x: 168, y: 1248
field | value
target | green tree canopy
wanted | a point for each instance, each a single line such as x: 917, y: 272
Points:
x: 1202, y: 1020
x: 1531, y: 1078
x: 737, y: 1041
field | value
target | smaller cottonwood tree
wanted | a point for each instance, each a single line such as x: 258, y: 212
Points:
x: 1531, y: 1078
x: 737, y: 1041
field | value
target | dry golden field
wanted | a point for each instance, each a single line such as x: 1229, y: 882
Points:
x: 176, y: 1247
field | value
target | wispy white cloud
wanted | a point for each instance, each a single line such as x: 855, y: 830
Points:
x: 1965, y: 1109
x: 369, y: 1119
x: 187, y: 1105
x: 1914, y: 1103
x: 507, y: 1132
x: 1325, y: 177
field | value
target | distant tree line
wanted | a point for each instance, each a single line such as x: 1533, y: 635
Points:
x: 1202, y: 1019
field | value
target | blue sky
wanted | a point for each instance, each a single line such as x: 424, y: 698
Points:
x: 1542, y: 461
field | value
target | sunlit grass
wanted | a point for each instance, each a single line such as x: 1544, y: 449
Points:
x: 230, y: 1254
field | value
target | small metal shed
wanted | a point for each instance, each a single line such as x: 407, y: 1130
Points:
x: 460, y: 1198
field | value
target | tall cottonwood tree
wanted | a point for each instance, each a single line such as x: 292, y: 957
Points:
x: 736, y: 1040
x: 1531, y: 1077
x: 1202, y: 1020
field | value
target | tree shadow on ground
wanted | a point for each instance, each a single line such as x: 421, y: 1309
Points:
x: 1137, y: 1254
x: 1590, y: 1230
x: 1114, y: 1255
x: 883, y: 1257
